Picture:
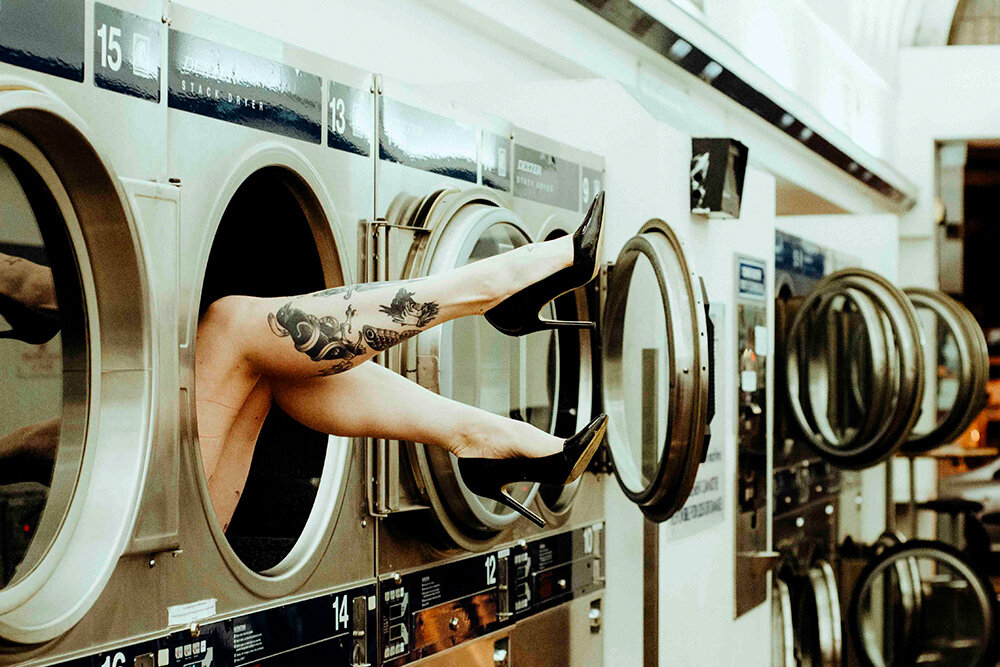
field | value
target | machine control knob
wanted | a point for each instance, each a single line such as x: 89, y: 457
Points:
x: 562, y: 583
x: 453, y: 623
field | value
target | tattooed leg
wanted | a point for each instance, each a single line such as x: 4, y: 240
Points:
x: 320, y: 336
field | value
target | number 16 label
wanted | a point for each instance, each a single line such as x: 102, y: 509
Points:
x: 126, y: 53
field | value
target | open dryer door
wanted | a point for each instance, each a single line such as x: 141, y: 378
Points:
x: 656, y: 371
x: 922, y: 602
x: 854, y: 374
x: 79, y: 356
x: 958, y: 368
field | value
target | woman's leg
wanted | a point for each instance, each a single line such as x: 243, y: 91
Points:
x: 242, y: 339
x: 28, y: 283
x: 375, y: 402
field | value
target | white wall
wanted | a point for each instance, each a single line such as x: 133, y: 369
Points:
x: 945, y: 93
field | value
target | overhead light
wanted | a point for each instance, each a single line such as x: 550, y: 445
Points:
x: 853, y: 167
x: 805, y: 134
x: 787, y: 120
x: 679, y: 49
x: 712, y: 70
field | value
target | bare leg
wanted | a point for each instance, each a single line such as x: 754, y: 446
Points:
x: 404, y: 410
x: 28, y: 283
x: 39, y: 440
x: 241, y: 339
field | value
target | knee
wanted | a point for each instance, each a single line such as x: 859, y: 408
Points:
x: 225, y: 314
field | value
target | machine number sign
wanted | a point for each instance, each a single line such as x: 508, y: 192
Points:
x: 126, y: 53
x: 350, y: 119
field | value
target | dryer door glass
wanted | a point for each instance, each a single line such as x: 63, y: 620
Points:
x: 43, y: 362
x: 656, y: 371
x: 264, y: 488
x: 504, y: 375
x: 922, y: 602
x: 957, y: 370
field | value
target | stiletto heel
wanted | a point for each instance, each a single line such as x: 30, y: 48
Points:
x: 518, y: 314
x: 27, y: 325
x: 509, y: 501
x: 490, y: 477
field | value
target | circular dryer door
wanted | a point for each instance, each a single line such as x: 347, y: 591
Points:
x: 76, y: 360
x: 782, y: 628
x: 854, y: 368
x: 656, y: 371
x: 958, y: 366
x: 271, y: 513
x: 922, y: 602
x: 817, y: 619
x: 470, y: 361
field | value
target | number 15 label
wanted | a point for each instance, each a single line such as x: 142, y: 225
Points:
x: 126, y: 53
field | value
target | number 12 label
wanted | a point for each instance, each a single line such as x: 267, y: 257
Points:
x: 126, y: 53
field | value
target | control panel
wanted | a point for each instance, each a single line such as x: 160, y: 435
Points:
x: 428, y: 611
x: 332, y: 629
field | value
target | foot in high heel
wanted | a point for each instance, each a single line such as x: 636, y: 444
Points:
x: 489, y: 477
x: 27, y: 325
x: 518, y: 314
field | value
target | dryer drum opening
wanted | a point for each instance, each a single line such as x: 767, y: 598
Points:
x: 272, y: 241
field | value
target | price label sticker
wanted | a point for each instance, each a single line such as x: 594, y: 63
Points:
x: 126, y: 53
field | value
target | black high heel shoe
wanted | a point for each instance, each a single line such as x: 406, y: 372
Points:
x: 489, y: 477
x: 27, y: 325
x: 518, y: 314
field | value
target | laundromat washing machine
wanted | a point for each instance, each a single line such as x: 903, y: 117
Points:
x: 457, y: 571
x: 81, y: 515
x: 271, y: 147
x: 256, y: 166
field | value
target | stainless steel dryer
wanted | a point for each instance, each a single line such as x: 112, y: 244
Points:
x: 454, y: 567
x: 89, y: 353
x: 271, y: 149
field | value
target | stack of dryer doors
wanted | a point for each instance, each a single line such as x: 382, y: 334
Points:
x: 854, y: 368
x: 87, y: 349
x: 272, y: 148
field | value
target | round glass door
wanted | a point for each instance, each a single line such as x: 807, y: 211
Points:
x: 922, y: 602
x: 957, y: 361
x: 471, y: 362
x: 656, y: 371
x: 41, y: 305
x: 854, y: 374
x: 76, y: 344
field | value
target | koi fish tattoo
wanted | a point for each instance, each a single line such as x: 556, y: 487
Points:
x: 329, y: 338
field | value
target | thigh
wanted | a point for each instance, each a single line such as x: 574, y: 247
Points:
x: 371, y: 401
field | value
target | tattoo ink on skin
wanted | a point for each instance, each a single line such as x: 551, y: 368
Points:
x: 322, y: 338
x: 407, y: 312
x: 331, y: 339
